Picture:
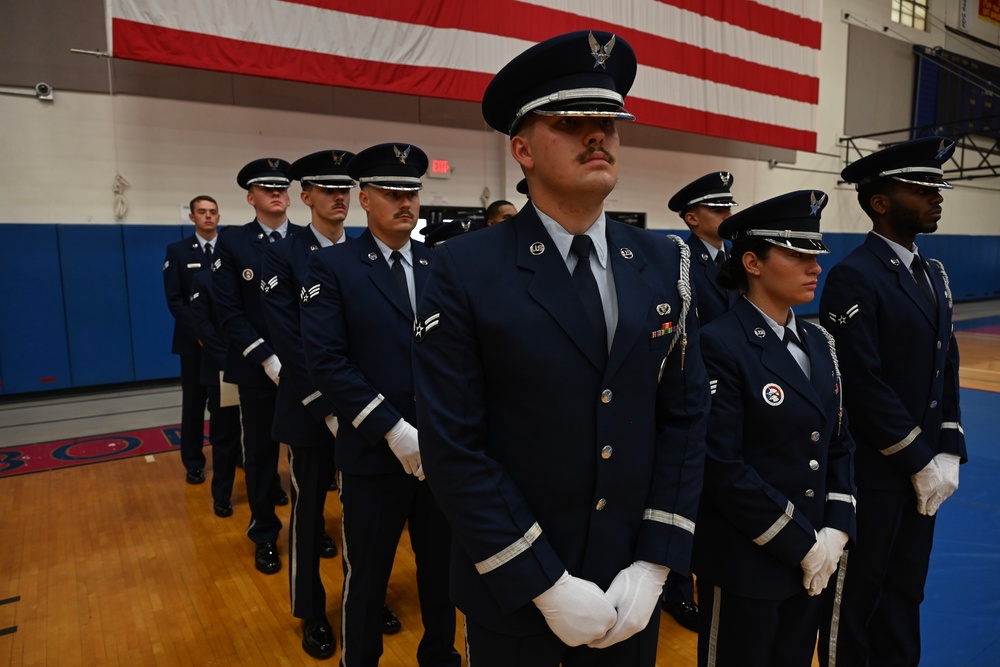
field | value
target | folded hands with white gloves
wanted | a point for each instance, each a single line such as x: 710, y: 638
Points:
x: 635, y: 594
x: 402, y: 439
x: 576, y: 610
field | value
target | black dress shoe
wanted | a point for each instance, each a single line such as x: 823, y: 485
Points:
x: 390, y: 623
x: 223, y: 508
x: 266, y: 558
x: 327, y: 547
x: 685, y: 613
x: 282, y: 498
x: 317, y: 638
x: 195, y: 476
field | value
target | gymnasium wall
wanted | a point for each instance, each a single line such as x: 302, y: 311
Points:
x: 84, y: 305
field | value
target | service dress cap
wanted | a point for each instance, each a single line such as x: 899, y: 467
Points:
x: 917, y: 162
x: 522, y: 187
x: 395, y: 166
x: 267, y: 172
x: 584, y: 73
x: 326, y: 169
x: 440, y: 232
x: 789, y: 221
x: 709, y: 190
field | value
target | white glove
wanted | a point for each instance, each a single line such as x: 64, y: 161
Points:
x: 948, y: 465
x: 813, y: 563
x: 332, y: 424
x: 928, y: 484
x: 272, y: 366
x: 635, y: 593
x: 576, y: 610
x: 834, y: 542
x: 402, y: 439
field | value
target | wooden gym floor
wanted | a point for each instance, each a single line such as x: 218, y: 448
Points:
x: 122, y: 563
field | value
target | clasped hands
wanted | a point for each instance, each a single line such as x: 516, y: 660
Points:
x: 579, y: 612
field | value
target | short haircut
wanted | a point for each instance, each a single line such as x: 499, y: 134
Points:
x: 882, y: 186
x: 492, y: 209
x: 202, y: 198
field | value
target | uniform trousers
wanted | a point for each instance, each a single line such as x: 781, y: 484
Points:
x: 310, y: 468
x: 738, y: 631
x: 260, y: 461
x: 194, y: 397
x: 487, y: 648
x: 375, y: 509
x: 878, y: 620
x: 224, y: 433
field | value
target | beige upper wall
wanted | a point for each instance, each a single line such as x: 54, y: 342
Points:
x: 60, y: 158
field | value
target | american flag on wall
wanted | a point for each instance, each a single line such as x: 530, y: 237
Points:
x: 735, y: 69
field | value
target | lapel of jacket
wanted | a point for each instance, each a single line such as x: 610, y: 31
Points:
x: 194, y: 251
x: 635, y: 296
x: 421, y: 266
x: 890, y: 260
x: 943, y: 298
x: 378, y: 272
x: 707, y: 265
x: 774, y: 354
x: 821, y: 364
x: 551, y: 285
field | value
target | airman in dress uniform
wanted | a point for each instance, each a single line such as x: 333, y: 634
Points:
x: 304, y: 418
x: 357, y: 323
x: 224, y: 430
x: 703, y: 205
x: 184, y: 260
x: 561, y: 393
x: 890, y: 310
x: 252, y: 363
x: 777, y: 509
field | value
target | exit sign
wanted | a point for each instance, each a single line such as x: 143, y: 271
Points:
x: 439, y: 169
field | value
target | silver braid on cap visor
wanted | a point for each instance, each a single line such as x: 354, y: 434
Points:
x: 392, y: 182
x: 583, y: 94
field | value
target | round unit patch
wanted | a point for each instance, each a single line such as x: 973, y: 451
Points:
x: 773, y: 394
x: 247, y: 274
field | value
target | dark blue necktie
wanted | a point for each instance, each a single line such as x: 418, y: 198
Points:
x: 586, y: 286
x: 399, y: 273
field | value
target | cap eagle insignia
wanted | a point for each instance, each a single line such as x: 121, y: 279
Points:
x: 724, y: 176
x: 600, y: 53
x: 273, y: 164
x: 942, y: 149
x: 337, y: 159
x: 815, y: 204
x: 402, y: 155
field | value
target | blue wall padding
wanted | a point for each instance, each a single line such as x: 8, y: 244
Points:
x: 97, y: 318
x: 84, y: 304
x: 150, y: 319
x: 33, y: 348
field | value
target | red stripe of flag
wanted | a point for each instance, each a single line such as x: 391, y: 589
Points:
x: 534, y: 24
x: 757, y: 18
x: 141, y: 41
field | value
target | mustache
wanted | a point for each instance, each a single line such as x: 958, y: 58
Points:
x: 589, y: 152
